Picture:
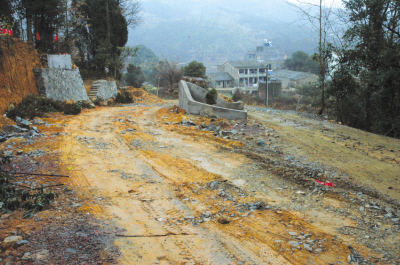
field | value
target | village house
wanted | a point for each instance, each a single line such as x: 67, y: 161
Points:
x: 239, y: 73
x: 291, y: 80
x: 220, y: 80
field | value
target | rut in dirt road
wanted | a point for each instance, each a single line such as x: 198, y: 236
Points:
x: 174, y: 198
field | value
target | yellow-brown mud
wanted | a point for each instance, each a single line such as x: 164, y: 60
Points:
x: 142, y: 96
x: 152, y: 180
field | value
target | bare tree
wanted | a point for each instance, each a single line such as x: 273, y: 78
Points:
x: 320, y: 18
x: 169, y: 73
x: 132, y: 11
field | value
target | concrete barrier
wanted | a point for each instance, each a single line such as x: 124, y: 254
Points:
x: 192, y: 100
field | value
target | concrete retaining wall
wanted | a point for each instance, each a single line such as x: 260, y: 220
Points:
x: 199, y: 94
x: 103, y: 89
x: 191, y: 99
x: 61, y: 84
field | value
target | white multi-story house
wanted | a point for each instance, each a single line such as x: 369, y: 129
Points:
x: 244, y: 73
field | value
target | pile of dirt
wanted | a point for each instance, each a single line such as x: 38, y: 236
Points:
x: 142, y: 96
x: 6, y: 121
x: 17, y: 61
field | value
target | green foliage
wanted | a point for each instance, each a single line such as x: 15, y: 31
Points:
x: 211, y: 97
x: 344, y: 89
x: 286, y: 99
x: 34, y: 106
x: 371, y: 55
x: 308, y: 91
x: 194, y: 69
x: 301, y: 61
x: 124, y: 97
x: 97, y: 101
x: 85, y: 104
x: 72, y: 109
x: 100, y: 34
x: 134, y: 76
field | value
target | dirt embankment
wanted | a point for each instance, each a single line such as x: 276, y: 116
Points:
x: 17, y: 61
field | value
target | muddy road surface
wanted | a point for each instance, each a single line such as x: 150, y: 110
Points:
x: 181, y: 195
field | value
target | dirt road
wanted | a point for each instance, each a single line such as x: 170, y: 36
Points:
x: 184, y: 196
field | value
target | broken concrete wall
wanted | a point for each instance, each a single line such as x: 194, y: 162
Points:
x: 61, y: 84
x: 199, y: 94
x: 103, y: 89
x: 192, y: 106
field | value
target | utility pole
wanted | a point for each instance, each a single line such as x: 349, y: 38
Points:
x: 266, y: 102
x: 158, y: 86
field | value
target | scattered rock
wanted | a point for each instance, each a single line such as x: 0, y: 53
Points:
x: 22, y: 242
x: 10, y: 241
x: 41, y: 255
x: 223, y: 220
x: 294, y: 243
x: 71, y: 250
x: 307, y: 247
x: 261, y: 142
x: 27, y: 256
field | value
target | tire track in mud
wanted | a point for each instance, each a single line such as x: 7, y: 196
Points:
x: 173, y: 170
x: 170, y: 186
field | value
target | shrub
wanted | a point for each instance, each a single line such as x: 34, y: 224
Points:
x: 211, y: 97
x: 97, y: 101
x: 72, y: 109
x: 237, y: 96
x: 124, y: 97
x: 85, y: 104
x: 34, y: 106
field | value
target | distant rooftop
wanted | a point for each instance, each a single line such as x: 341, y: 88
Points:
x: 242, y: 64
x: 222, y: 76
x: 292, y: 75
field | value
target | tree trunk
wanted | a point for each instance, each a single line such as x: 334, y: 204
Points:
x: 29, y: 26
x: 108, y: 24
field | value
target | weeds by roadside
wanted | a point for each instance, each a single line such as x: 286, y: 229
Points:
x: 15, y: 196
x: 36, y: 106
